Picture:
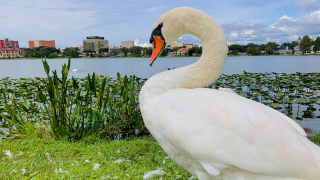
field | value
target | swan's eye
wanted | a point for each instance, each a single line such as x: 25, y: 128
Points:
x: 160, y: 25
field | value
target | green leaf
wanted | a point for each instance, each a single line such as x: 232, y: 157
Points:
x: 132, y: 98
x: 300, y: 101
x: 274, y: 105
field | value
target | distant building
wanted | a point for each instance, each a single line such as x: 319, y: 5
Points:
x: 10, y: 49
x: 178, y: 44
x: 94, y: 43
x: 182, y: 52
x: 80, y: 47
x: 62, y: 50
x: 6, y: 43
x: 284, y: 50
x: 297, y: 49
x: 188, y: 46
x: 39, y: 43
x: 127, y: 44
x: 113, y: 47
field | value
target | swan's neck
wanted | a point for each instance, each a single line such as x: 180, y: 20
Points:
x: 200, y: 74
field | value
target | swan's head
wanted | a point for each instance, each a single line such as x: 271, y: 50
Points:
x: 168, y: 28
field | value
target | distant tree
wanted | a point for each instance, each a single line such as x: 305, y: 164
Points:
x: 305, y: 44
x: 175, y: 49
x: 249, y: 50
x: 273, y: 45
x: 51, y: 55
x: 191, y: 51
x: 71, y: 53
x: 255, y: 51
x: 316, y: 46
x: 293, y: 44
x: 293, y: 51
x: 87, y: 53
x: 114, y: 52
x: 234, y: 48
x: 104, y: 50
x: 165, y: 52
x: 198, y: 50
x: 135, y: 50
x: 124, y: 51
x: 148, y: 51
x: 269, y: 49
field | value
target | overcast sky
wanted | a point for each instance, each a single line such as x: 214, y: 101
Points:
x: 70, y: 21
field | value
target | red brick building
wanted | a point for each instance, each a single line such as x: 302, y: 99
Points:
x: 39, y: 43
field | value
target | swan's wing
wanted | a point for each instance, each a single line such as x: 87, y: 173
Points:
x: 221, y: 129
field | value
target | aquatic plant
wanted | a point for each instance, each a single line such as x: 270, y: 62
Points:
x: 77, y: 108
x: 98, y: 106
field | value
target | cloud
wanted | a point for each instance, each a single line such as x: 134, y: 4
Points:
x: 189, y: 39
x: 307, y: 5
x: 136, y: 43
x: 285, y: 29
x: 4, y: 17
x: 258, y: 3
x: 70, y: 9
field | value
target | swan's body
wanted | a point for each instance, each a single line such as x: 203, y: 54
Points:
x: 217, y: 134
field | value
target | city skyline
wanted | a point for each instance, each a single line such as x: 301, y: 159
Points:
x: 70, y: 22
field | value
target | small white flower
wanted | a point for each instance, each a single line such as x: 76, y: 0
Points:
x: 164, y: 161
x: 72, y: 164
x: 118, y: 150
x: 20, y: 153
x: 23, y: 171
x: 118, y: 161
x: 86, y: 160
x: 7, y: 152
x: 14, y: 171
x: 48, y: 157
x: 96, y: 166
x: 167, y: 157
x: 154, y: 173
x: 58, y: 170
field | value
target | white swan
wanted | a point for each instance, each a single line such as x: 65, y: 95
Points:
x: 217, y: 134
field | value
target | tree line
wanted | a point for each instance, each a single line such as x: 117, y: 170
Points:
x: 270, y: 48
x: 51, y: 52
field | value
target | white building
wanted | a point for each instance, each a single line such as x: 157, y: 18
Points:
x: 62, y: 50
x: 80, y: 47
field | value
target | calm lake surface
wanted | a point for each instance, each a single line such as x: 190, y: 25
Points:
x: 140, y: 67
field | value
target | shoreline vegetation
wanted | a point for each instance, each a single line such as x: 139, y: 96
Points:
x: 132, y: 56
x: 67, y: 128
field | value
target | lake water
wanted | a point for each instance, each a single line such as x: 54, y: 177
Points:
x: 140, y: 67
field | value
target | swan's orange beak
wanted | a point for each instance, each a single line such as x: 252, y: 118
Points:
x: 158, y: 46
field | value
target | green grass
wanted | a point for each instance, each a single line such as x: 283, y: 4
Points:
x: 143, y: 154
x: 139, y: 155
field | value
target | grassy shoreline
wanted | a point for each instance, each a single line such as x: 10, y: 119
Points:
x: 119, y: 159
